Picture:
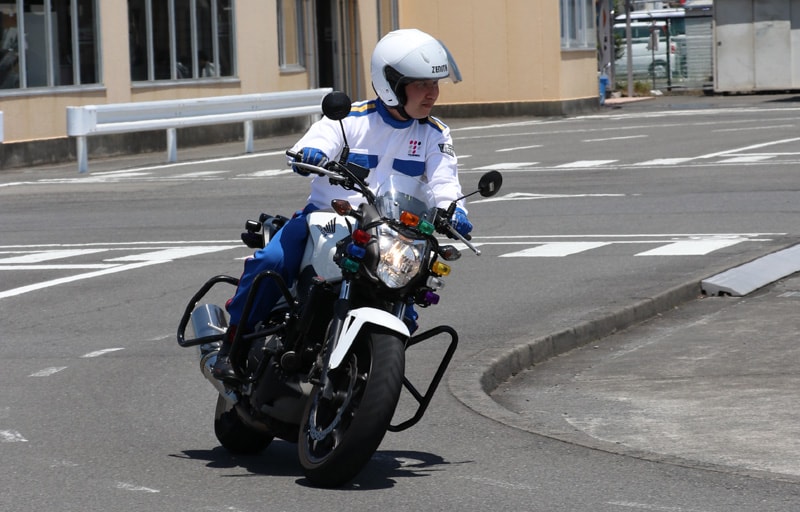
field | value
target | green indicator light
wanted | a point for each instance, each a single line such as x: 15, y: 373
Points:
x: 425, y: 227
x: 349, y: 265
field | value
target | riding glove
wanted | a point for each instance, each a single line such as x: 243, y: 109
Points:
x: 460, y: 222
x: 311, y: 156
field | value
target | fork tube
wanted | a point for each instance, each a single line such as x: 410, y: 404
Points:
x: 340, y: 309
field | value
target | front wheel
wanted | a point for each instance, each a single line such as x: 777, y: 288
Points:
x: 343, y: 426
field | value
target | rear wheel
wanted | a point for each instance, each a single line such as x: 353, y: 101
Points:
x: 343, y: 427
x: 234, y: 435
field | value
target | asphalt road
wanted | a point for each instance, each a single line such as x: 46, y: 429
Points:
x: 101, y: 410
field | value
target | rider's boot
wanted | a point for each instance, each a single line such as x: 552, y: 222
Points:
x: 222, y: 369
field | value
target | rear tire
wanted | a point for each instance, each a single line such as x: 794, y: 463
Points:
x: 338, y: 435
x: 234, y: 435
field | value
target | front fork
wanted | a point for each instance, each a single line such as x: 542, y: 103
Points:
x: 319, y: 375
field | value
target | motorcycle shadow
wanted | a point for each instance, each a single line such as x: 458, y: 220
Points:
x: 280, y: 460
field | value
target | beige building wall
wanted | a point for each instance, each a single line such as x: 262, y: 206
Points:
x: 508, y: 51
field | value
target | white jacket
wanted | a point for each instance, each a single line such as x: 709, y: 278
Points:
x: 421, y: 148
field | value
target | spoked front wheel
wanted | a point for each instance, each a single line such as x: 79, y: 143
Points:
x: 344, y: 425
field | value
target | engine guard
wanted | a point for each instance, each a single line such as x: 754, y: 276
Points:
x: 425, y: 400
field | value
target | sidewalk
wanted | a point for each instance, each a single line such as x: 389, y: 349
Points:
x: 712, y: 384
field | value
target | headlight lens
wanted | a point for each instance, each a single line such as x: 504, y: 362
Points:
x: 400, y: 257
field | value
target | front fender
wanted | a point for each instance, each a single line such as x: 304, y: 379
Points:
x: 355, y: 321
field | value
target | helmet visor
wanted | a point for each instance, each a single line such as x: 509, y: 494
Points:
x: 455, y: 73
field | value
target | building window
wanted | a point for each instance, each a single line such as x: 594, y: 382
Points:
x: 578, y: 24
x: 387, y: 17
x: 181, y: 39
x: 291, y: 35
x: 61, y: 47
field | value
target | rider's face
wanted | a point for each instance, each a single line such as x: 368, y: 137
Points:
x: 422, y: 95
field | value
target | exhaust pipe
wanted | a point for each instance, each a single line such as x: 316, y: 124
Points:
x: 208, y: 320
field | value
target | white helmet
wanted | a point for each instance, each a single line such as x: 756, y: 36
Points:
x: 406, y: 55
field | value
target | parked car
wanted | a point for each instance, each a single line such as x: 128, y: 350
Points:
x: 649, y: 49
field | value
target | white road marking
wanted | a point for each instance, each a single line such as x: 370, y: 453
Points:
x: 37, y: 257
x: 11, y: 436
x: 690, y: 247
x: 98, y: 353
x: 521, y: 196
x: 555, y: 250
x: 48, y: 371
x: 617, y: 138
x: 198, y: 174
x: 750, y: 128
x: 664, y: 161
x: 745, y: 159
x: 267, y: 173
x: 69, y: 279
x: 517, y: 148
x: 68, y: 266
x: 748, y: 148
x: 131, y: 487
x: 506, y: 166
x: 581, y: 164
x: 173, y: 253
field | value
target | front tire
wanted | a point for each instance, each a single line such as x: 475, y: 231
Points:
x: 339, y: 434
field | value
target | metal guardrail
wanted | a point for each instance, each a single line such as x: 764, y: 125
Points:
x: 88, y: 120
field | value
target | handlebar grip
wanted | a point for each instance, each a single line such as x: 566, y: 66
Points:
x: 295, y: 156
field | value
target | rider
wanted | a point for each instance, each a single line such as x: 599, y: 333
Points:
x: 391, y: 134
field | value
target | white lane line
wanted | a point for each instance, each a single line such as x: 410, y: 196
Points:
x: 663, y: 161
x: 98, y: 353
x: 131, y: 487
x: 48, y: 371
x: 173, y: 253
x: 555, y: 250
x: 53, y: 282
x: 517, y: 148
x: 506, y: 166
x: 38, y: 257
x: 690, y: 247
x: 521, y: 196
x: 11, y: 436
x: 67, y: 266
x: 748, y: 148
x: 617, y: 138
x: 270, y: 172
x: 745, y: 159
x: 750, y: 128
x: 198, y: 174
x: 581, y: 164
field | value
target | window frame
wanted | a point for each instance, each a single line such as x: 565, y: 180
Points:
x: 285, y: 42
x: 578, y: 24
x: 52, y: 57
x: 193, y: 71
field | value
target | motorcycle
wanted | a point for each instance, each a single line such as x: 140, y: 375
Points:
x: 326, y: 369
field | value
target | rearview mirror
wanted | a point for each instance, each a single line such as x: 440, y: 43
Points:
x: 490, y: 183
x: 336, y: 105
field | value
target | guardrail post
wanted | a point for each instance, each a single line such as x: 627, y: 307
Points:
x: 82, y: 153
x: 248, y: 136
x: 172, y: 145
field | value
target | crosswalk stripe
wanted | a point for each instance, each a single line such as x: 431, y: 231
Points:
x: 555, y: 250
x: 690, y: 247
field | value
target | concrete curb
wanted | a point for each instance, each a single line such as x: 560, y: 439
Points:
x: 473, y: 381
x: 498, y: 365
